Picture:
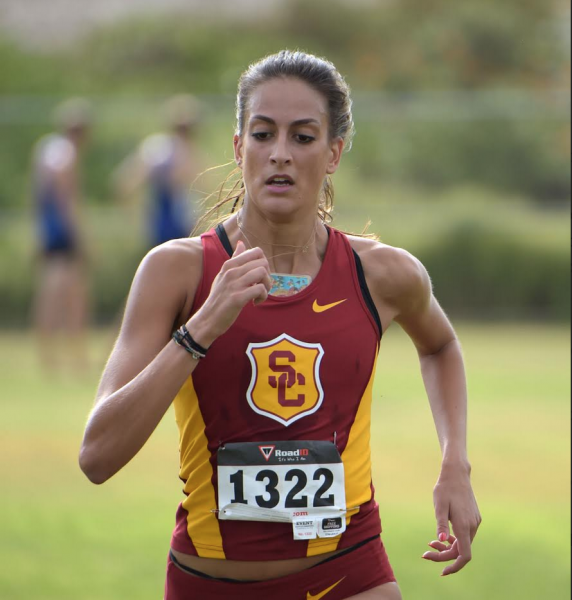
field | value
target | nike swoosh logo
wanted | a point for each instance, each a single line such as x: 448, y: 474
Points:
x: 317, y: 308
x: 322, y: 594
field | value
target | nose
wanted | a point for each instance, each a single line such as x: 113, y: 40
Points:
x: 280, y: 153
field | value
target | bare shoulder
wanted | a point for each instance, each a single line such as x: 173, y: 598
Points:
x: 161, y: 292
x: 185, y: 253
x: 169, y: 275
x: 393, y: 274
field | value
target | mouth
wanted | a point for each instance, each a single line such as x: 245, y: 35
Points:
x: 280, y: 181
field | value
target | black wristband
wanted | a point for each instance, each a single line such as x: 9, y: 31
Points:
x: 183, y: 338
x: 194, y: 345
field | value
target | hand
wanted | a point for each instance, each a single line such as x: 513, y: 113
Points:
x: 245, y: 277
x: 455, y: 503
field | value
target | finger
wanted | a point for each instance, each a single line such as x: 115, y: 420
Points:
x: 256, y: 275
x: 242, y: 256
x: 237, y: 272
x: 442, y: 515
x: 259, y: 300
x: 464, y: 544
x: 445, y: 556
x: 266, y: 279
x: 437, y: 545
x: 464, y: 550
x: 240, y: 248
x: 256, y: 293
x: 455, y: 567
x: 268, y: 282
x: 442, y: 555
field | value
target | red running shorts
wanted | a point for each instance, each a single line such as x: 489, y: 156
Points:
x: 335, y: 579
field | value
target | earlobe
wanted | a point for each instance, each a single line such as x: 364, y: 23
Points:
x: 337, y: 147
x: 237, y: 143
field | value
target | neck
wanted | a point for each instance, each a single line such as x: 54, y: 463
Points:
x: 281, y: 234
x: 290, y: 246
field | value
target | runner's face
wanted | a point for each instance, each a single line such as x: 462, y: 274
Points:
x: 285, y: 150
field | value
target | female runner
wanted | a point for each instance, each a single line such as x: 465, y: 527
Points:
x: 264, y: 332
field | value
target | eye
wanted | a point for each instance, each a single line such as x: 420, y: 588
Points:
x: 304, y: 139
x: 261, y: 135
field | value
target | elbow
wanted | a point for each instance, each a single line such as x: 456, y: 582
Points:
x: 441, y: 349
x: 92, y: 467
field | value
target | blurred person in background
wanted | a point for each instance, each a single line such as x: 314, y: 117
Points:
x: 61, y: 303
x: 272, y: 387
x: 166, y: 164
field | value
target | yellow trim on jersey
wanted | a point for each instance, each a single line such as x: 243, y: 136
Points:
x: 202, y: 524
x: 358, y: 479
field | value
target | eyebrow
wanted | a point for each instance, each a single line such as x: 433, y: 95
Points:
x: 308, y: 121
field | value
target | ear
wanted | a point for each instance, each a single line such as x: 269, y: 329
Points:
x: 336, y: 149
x: 237, y: 143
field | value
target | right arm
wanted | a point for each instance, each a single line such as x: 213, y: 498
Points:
x: 146, y: 369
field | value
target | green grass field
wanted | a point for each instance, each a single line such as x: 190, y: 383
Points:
x: 63, y: 538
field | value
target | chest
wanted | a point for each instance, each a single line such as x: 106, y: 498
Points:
x: 288, y: 368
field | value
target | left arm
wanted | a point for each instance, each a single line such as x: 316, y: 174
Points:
x: 442, y: 368
x: 402, y: 290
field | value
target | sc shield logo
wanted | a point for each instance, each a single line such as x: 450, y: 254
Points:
x: 285, y: 385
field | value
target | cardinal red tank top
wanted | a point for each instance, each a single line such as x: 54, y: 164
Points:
x: 288, y: 376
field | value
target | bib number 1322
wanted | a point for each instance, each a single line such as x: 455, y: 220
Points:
x: 301, y: 492
x: 278, y: 481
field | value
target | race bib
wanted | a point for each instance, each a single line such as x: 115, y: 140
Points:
x: 298, y: 482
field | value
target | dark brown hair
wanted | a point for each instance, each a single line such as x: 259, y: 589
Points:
x: 318, y: 73
x: 322, y: 76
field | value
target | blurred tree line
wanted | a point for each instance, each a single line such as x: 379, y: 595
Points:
x: 447, y: 94
x: 401, y: 48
